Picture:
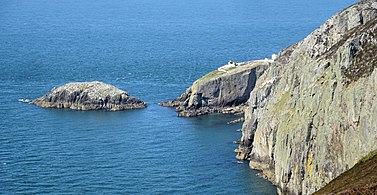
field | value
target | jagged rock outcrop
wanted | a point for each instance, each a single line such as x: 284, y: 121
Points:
x: 224, y: 90
x: 89, y: 96
x: 313, y: 114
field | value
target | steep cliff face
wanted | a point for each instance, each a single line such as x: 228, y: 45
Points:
x: 88, y: 96
x: 313, y: 114
x: 224, y: 90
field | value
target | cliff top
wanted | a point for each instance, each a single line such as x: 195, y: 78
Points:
x: 231, y: 70
x: 366, y: 1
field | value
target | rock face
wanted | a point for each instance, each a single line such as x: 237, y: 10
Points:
x: 224, y: 90
x: 89, y: 96
x: 313, y: 113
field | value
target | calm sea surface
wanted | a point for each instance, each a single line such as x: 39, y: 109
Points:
x: 153, y: 49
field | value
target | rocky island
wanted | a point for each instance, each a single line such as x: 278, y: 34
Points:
x: 224, y: 90
x: 89, y: 96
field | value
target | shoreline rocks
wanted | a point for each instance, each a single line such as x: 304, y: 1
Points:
x: 88, y: 96
x: 225, y: 91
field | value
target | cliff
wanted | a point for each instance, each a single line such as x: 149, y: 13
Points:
x: 89, y: 96
x: 313, y: 113
x: 225, y: 90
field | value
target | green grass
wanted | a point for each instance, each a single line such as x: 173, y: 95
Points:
x: 217, y: 73
x: 232, y: 68
x: 212, y: 74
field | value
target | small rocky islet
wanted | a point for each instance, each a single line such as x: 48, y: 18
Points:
x: 88, y: 96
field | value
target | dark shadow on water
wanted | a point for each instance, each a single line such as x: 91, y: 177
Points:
x: 213, y: 119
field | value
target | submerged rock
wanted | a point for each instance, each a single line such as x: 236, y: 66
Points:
x: 313, y: 114
x: 225, y: 90
x: 89, y: 96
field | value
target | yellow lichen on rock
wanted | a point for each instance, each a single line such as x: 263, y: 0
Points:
x: 309, y: 165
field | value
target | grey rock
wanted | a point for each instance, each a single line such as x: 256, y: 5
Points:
x: 222, y: 91
x: 89, y: 96
x: 313, y: 113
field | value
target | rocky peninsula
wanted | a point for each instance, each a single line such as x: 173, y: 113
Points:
x: 225, y: 90
x: 89, y: 96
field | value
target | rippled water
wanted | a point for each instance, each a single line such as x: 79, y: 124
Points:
x: 153, y: 50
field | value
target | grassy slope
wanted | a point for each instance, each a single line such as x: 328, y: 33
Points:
x: 360, y: 179
x: 232, y: 70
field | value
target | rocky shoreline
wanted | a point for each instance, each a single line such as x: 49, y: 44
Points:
x: 88, y: 96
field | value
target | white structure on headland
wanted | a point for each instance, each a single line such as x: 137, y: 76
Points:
x: 232, y: 64
x: 273, y: 58
x: 229, y: 65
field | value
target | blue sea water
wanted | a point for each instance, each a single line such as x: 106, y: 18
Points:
x: 153, y: 49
